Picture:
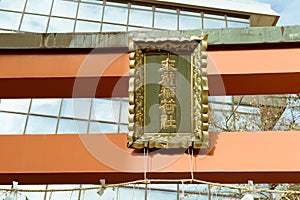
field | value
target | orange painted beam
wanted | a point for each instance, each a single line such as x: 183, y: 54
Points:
x: 247, y: 72
x: 265, y: 157
x: 239, y: 72
x: 63, y: 75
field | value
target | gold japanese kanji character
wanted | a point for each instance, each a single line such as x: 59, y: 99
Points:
x: 168, y: 65
x: 168, y: 106
x: 171, y: 123
x: 167, y: 92
x: 168, y: 79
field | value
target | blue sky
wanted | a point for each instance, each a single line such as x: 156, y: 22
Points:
x: 288, y: 10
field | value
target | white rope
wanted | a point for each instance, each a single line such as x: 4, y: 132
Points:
x: 71, y: 195
x: 133, y: 189
x: 246, y: 189
x: 118, y: 193
x: 145, y: 173
x: 191, y: 163
x: 50, y: 196
x: 182, y: 189
x: 145, y: 164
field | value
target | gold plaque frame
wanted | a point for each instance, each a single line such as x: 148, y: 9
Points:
x: 194, y: 46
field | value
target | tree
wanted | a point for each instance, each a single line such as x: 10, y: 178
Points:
x: 257, y: 113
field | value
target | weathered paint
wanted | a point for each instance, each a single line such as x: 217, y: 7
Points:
x: 255, y: 35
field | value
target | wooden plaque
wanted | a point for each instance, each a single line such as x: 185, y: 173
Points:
x: 168, y: 93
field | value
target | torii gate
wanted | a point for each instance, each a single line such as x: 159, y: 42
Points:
x: 248, y: 61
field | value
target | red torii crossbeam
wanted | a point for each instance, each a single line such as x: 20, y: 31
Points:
x: 265, y: 157
x: 237, y: 72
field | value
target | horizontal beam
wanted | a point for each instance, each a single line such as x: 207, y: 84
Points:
x: 64, y: 75
x: 265, y: 157
x: 100, y: 74
x: 251, y: 72
x: 258, y: 36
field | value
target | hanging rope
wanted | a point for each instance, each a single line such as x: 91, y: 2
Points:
x: 145, y: 170
x: 50, y: 196
x: 191, y: 162
x: 118, y: 193
x: 182, y: 181
x: 146, y: 157
x: 133, y: 189
x: 71, y: 195
x: 182, y: 189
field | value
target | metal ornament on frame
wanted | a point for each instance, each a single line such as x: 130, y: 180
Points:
x: 168, y: 93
